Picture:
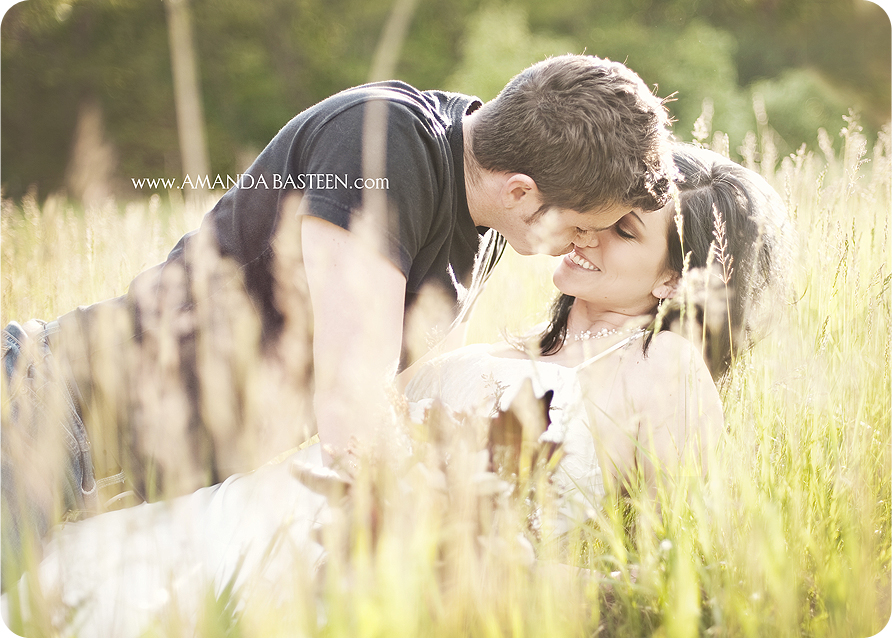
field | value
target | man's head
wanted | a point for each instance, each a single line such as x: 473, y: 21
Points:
x: 587, y: 132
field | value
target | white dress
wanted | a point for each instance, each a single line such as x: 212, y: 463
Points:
x: 117, y: 573
x: 472, y: 380
x: 121, y: 572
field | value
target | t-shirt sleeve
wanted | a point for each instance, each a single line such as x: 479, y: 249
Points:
x: 334, y: 183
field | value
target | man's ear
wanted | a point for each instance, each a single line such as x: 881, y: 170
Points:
x: 667, y: 286
x: 518, y: 189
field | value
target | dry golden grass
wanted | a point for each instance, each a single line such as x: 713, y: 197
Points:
x: 789, y: 536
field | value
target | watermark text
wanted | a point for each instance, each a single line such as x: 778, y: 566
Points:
x: 274, y: 181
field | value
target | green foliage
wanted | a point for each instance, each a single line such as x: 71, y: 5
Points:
x: 57, y: 56
x: 498, y: 44
x: 798, y: 103
x: 693, y: 65
x: 262, y: 62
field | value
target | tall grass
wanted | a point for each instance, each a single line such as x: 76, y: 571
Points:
x: 788, y: 536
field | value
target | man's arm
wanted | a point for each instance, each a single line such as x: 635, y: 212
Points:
x: 358, y: 298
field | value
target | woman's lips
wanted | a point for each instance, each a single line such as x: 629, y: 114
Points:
x: 578, y: 260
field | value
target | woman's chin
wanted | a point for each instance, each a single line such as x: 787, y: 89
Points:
x: 558, y: 280
x: 562, y: 279
x: 567, y: 289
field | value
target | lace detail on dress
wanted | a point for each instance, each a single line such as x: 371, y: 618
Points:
x: 473, y: 381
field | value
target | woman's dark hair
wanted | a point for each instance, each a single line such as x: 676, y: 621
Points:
x: 730, y: 244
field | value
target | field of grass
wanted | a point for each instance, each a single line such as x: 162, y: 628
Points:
x: 789, y: 536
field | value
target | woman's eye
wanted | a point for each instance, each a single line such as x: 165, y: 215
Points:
x: 624, y: 234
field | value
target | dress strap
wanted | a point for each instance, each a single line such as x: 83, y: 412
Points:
x: 616, y: 346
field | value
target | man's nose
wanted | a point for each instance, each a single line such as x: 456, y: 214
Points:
x: 589, y: 238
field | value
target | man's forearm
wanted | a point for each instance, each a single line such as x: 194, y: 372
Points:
x: 357, y: 297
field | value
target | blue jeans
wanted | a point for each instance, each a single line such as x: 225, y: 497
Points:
x: 47, y: 468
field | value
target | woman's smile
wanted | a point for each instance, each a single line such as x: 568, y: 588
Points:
x: 576, y: 259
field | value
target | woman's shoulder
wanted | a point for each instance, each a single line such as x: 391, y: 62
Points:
x: 670, y: 378
x: 667, y: 356
x: 672, y: 344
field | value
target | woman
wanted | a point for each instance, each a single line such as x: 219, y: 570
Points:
x: 629, y: 396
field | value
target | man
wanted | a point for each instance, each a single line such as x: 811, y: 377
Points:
x: 360, y: 206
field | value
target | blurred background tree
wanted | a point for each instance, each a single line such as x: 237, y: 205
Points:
x: 97, y: 73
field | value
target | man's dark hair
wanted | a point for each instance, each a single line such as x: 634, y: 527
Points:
x: 585, y: 129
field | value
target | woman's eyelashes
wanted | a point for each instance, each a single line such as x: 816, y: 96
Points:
x: 586, y: 234
x: 622, y: 232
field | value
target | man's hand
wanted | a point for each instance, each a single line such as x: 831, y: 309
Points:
x: 358, y: 298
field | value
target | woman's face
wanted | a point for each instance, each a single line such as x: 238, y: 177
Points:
x: 623, y: 268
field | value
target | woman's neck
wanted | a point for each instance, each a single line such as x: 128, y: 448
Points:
x: 585, y: 319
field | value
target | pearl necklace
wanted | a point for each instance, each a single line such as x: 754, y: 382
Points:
x: 603, y: 332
